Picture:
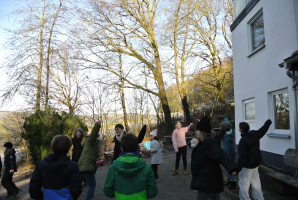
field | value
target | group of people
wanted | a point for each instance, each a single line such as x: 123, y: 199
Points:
x: 207, y: 156
x: 130, y: 177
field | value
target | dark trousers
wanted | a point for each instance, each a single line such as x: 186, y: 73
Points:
x: 183, y: 151
x: 154, y: 167
x: 8, y: 184
x: 208, y: 195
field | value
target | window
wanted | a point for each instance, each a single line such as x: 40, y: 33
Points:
x: 281, y: 111
x: 258, y: 35
x: 250, y: 113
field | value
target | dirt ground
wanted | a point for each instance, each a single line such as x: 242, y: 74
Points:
x: 169, y: 187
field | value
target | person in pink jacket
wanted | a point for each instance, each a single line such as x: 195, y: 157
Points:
x: 179, y: 143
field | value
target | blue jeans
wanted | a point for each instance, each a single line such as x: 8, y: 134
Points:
x: 230, y: 177
x: 90, y: 179
x: 250, y: 178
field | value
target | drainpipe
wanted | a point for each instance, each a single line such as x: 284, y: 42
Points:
x: 295, y: 100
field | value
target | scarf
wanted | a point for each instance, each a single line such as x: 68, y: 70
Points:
x: 119, y: 137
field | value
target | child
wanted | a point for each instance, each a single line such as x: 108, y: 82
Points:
x: 155, y: 150
x: 206, y: 159
x: 179, y: 144
x: 119, y: 129
x: 10, y: 169
x: 130, y: 177
x: 56, y: 174
x: 249, y: 160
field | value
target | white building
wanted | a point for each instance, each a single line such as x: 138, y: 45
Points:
x: 265, y: 33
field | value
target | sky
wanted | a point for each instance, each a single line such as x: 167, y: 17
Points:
x: 6, y: 22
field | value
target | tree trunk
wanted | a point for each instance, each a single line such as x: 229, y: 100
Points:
x: 38, y: 95
x: 48, y: 57
x: 123, y: 97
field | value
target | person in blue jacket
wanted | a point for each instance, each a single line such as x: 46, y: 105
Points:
x: 56, y: 174
x: 229, y: 147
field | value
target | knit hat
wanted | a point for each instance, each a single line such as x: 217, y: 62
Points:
x: 79, y: 129
x: 204, y: 124
x: 154, y: 132
x: 8, y: 145
x: 119, y: 126
x: 225, y: 126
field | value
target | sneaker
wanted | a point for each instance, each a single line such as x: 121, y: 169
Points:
x: 175, y: 172
x: 156, y: 179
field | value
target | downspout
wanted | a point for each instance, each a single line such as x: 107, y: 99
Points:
x: 295, y: 100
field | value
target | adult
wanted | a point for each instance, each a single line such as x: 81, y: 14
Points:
x: 56, y: 176
x: 249, y: 160
x: 206, y: 158
x: 87, y: 162
x: 10, y: 169
x: 179, y: 143
x: 77, y: 147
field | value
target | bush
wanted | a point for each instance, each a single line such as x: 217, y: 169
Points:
x: 42, y: 126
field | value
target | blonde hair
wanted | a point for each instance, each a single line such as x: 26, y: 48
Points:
x: 206, y: 136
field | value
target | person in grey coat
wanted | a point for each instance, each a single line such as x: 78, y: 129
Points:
x: 156, y: 154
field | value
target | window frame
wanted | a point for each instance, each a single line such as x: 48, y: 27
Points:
x: 250, y: 23
x: 271, y: 110
x: 244, y: 110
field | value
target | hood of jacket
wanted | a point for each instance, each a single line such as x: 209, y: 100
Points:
x: 226, y: 120
x: 56, y: 162
x: 129, y: 165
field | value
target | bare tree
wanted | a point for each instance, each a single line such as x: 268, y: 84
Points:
x: 128, y: 28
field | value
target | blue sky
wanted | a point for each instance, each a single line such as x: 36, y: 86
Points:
x: 6, y: 7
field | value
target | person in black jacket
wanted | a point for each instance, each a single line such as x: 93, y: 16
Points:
x: 119, y: 129
x: 77, y: 147
x: 10, y: 169
x: 249, y: 160
x: 206, y: 159
x: 56, y: 174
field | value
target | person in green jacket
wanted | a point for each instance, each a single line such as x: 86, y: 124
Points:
x: 87, y: 161
x: 130, y: 177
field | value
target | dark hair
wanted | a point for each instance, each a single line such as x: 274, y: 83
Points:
x: 7, y: 151
x: 61, y: 144
x: 176, y: 122
x: 129, y: 143
x: 244, y: 127
x: 156, y: 138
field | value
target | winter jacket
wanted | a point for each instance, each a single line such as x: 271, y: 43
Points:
x: 156, y: 154
x: 249, y: 155
x: 206, y: 158
x: 90, y: 152
x: 229, y: 141
x: 77, y: 149
x: 10, y: 161
x: 58, y: 176
x: 117, y: 148
x: 130, y: 178
x: 178, y: 137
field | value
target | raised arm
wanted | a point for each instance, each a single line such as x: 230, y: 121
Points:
x: 142, y: 134
x: 263, y: 130
x: 94, y: 133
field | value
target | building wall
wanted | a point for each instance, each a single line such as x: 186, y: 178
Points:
x: 258, y: 75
